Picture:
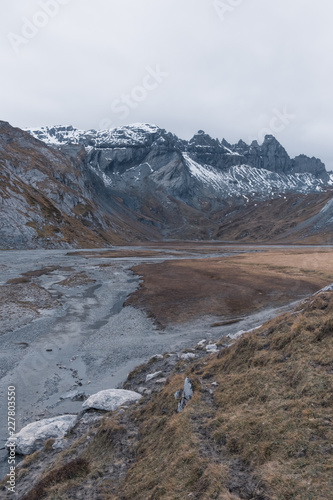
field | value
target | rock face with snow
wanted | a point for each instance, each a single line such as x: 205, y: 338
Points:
x: 32, y: 437
x: 205, y: 173
x: 110, y: 399
x: 63, y: 187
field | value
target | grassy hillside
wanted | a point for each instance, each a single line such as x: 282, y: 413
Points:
x: 259, y: 426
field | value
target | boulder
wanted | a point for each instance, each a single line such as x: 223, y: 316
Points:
x: 150, y: 376
x: 187, y: 356
x: 187, y: 394
x: 32, y: 437
x: 110, y: 399
x: 210, y: 348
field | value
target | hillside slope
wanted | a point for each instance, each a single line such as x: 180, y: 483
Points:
x: 257, y: 427
x: 49, y: 199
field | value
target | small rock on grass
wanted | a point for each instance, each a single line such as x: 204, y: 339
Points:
x: 187, y: 356
x: 211, y: 348
x: 150, y: 376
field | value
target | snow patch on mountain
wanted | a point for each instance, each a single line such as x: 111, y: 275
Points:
x: 244, y: 179
x: 330, y: 182
x: 129, y: 135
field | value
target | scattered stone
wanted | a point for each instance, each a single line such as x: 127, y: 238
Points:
x: 186, y: 394
x: 187, y: 356
x: 215, y: 384
x: 49, y: 350
x: 152, y: 375
x: 80, y: 396
x: 156, y: 357
x: 202, y: 343
x: 110, y: 399
x: 32, y: 437
x: 69, y: 395
x: 235, y: 336
x: 161, y: 380
x: 211, y: 348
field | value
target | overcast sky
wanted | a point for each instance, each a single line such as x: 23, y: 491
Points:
x: 234, y: 68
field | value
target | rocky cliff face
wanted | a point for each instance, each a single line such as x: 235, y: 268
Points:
x: 48, y: 198
x: 62, y: 186
x: 125, y: 144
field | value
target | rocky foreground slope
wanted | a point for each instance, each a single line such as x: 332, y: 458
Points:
x: 256, y: 423
x: 65, y: 187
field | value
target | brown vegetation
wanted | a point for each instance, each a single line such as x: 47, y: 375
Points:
x: 178, y: 291
x: 258, y: 427
x: 68, y: 473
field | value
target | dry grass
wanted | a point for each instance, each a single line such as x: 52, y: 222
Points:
x: 258, y: 427
x: 272, y: 409
x: 178, y: 291
x: 68, y: 473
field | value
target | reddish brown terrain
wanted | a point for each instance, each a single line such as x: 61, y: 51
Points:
x: 229, y: 287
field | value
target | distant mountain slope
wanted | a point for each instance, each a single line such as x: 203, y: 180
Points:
x: 66, y: 187
x: 48, y: 200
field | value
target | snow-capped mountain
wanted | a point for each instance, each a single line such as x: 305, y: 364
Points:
x: 66, y: 187
x: 200, y: 169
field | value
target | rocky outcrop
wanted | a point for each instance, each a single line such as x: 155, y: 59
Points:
x: 303, y: 164
x: 185, y: 395
x: 32, y: 437
x: 110, y: 399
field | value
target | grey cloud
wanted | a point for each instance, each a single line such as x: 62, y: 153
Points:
x: 225, y: 76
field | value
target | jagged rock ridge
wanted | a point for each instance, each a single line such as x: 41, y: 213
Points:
x: 66, y: 187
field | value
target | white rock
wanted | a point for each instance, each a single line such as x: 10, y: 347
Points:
x: 328, y: 288
x: 161, y: 380
x: 110, y: 399
x: 32, y: 437
x: 188, y: 389
x: 188, y: 355
x: 202, y: 342
x: 187, y: 394
x: 156, y: 356
x: 211, y: 348
x: 235, y: 336
x: 152, y: 375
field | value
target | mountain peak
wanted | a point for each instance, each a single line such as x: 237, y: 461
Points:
x: 203, y: 139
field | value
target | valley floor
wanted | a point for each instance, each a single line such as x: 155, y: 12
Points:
x: 87, y: 308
